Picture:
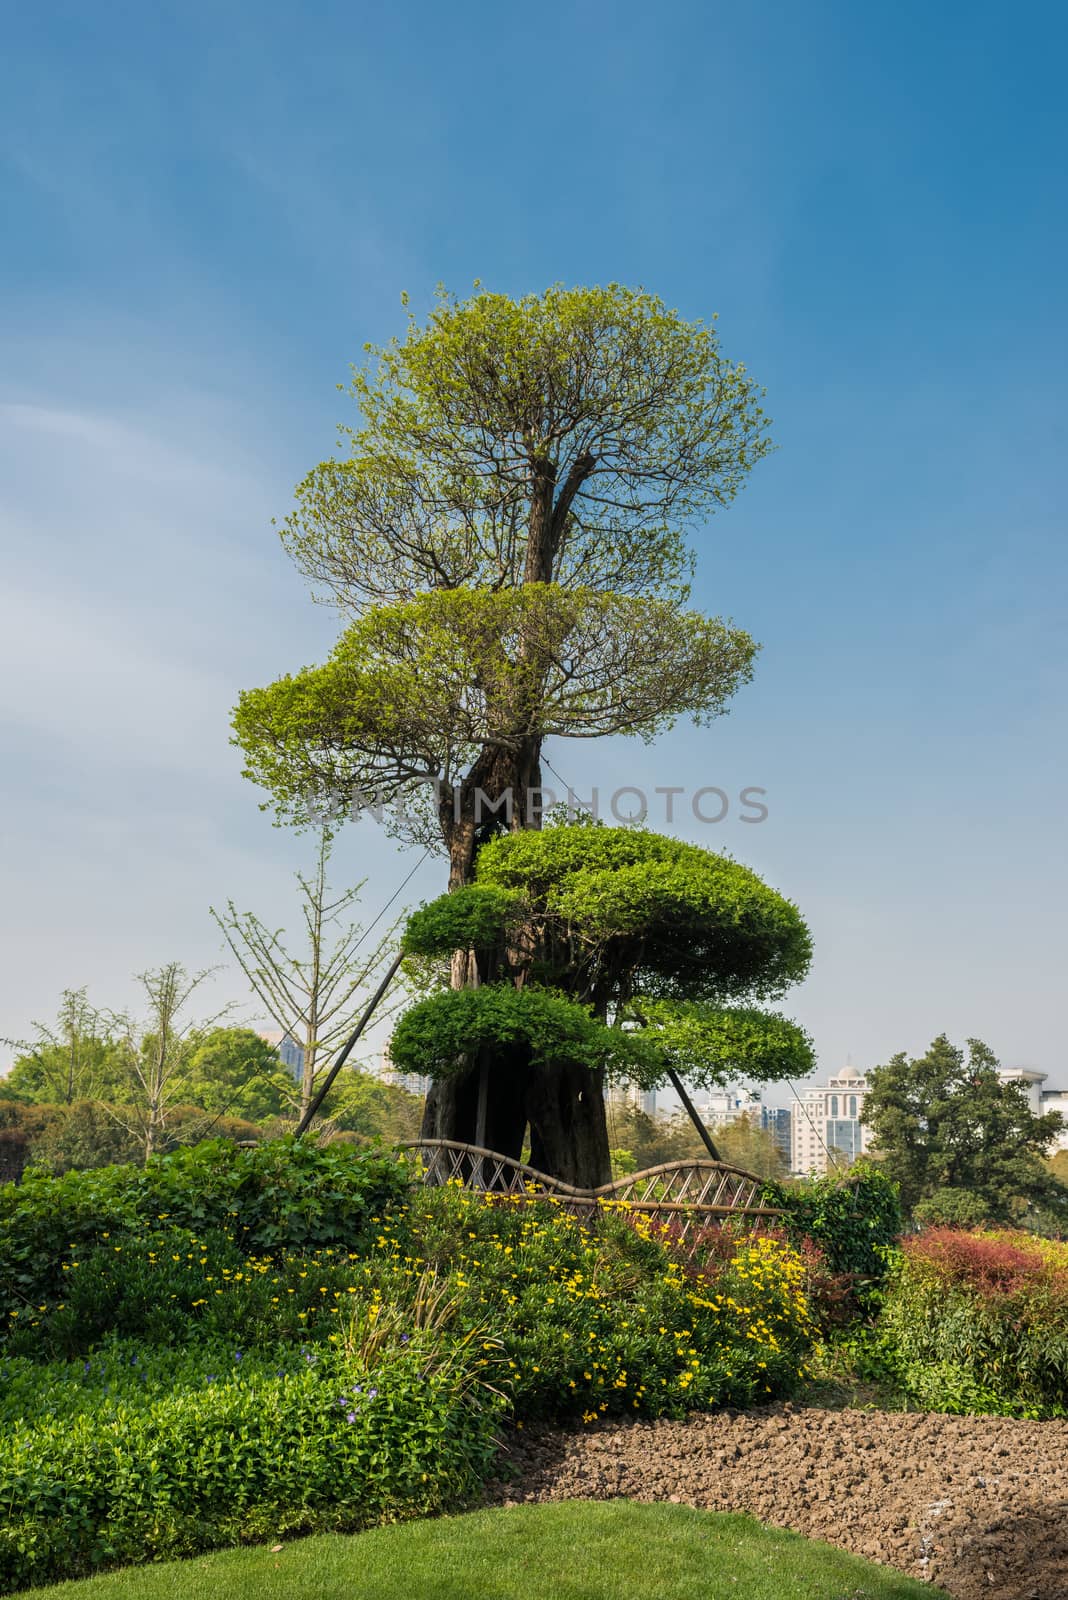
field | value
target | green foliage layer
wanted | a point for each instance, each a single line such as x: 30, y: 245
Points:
x: 978, y: 1322
x: 694, y: 924
x: 666, y: 938
x: 172, y: 1384
x: 470, y: 918
x: 435, y: 1034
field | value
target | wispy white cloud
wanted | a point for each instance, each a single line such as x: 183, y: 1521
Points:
x: 115, y: 446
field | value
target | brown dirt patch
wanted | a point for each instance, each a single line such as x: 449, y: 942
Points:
x: 978, y: 1505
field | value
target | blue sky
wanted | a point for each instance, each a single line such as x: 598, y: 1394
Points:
x: 208, y: 210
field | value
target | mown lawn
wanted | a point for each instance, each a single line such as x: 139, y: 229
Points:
x: 615, y: 1550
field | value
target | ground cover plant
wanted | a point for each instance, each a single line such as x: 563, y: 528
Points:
x: 580, y: 1551
x: 226, y: 1345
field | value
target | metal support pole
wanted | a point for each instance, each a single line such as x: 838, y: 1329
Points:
x: 478, y: 1175
x: 321, y: 1094
x: 676, y: 1084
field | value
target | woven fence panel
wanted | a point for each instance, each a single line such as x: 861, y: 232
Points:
x: 679, y: 1197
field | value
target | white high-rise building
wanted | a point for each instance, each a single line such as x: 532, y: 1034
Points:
x: 826, y: 1131
x: 717, y: 1108
x: 414, y: 1082
x: 1039, y: 1099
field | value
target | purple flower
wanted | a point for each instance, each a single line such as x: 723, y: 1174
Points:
x: 371, y: 1393
x: 351, y: 1417
x: 238, y: 1355
x: 404, y: 1338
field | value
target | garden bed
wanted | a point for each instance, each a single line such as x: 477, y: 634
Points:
x: 977, y: 1505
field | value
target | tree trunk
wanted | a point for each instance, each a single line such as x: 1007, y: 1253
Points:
x: 569, y: 1136
x: 451, y: 1110
x: 568, y: 1126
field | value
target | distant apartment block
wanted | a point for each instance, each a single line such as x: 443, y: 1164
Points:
x: 414, y: 1082
x: 779, y: 1123
x: 290, y: 1053
x: 1039, y: 1099
x: 630, y: 1096
x: 721, y: 1107
x: 826, y: 1131
x: 718, y: 1108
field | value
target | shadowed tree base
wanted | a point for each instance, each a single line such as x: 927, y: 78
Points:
x: 563, y: 1105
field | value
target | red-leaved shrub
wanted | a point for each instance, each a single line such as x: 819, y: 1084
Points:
x: 978, y: 1321
x: 1002, y: 1262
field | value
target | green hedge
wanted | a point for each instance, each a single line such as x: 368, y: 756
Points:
x: 282, y: 1194
x: 242, y: 1458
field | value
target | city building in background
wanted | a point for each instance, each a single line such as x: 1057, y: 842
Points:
x: 290, y: 1053
x: 1039, y: 1099
x: 415, y: 1082
x: 779, y: 1123
x: 826, y: 1131
x: 718, y: 1108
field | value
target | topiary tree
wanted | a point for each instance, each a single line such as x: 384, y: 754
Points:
x: 601, y: 952
x: 507, y: 537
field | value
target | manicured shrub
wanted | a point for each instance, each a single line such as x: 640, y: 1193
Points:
x: 978, y: 1322
x: 254, y: 1454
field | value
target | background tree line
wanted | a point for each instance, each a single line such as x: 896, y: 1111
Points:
x: 94, y: 1088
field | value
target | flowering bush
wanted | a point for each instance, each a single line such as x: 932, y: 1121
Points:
x: 979, y: 1322
x: 831, y: 1296
x: 173, y: 1385
x: 600, y: 1321
x: 281, y: 1193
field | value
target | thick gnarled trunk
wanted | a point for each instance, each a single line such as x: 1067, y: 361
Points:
x: 564, y: 1106
x: 452, y: 1104
x: 568, y: 1125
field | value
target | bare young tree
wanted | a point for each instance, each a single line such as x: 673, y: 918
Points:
x: 156, y: 1050
x: 311, y: 996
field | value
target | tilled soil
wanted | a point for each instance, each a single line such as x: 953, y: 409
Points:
x: 978, y: 1505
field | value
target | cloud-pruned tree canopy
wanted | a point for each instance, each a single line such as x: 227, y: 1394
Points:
x: 413, y: 691
x: 613, y: 952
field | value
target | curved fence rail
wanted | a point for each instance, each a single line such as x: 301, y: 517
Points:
x: 683, y: 1195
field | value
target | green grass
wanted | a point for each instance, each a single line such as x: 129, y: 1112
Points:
x: 614, y: 1550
